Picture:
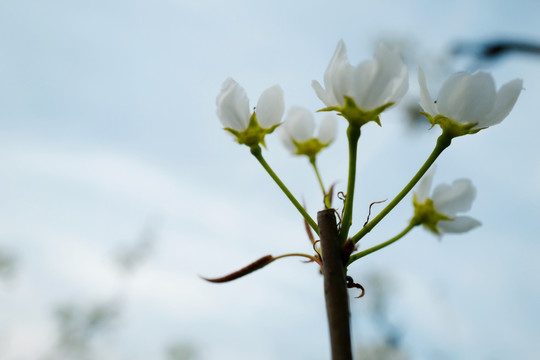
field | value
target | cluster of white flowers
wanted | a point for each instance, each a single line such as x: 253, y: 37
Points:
x: 466, y: 104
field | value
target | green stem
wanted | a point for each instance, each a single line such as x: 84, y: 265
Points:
x: 361, y: 254
x: 256, y: 151
x: 326, y: 198
x: 353, y: 134
x: 442, y: 143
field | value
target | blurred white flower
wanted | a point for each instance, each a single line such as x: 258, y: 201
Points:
x: 371, y: 86
x: 469, y: 100
x: 438, y: 211
x: 234, y: 113
x: 296, y: 133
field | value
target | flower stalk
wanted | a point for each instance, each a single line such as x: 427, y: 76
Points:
x: 361, y: 254
x: 353, y: 134
x: 256, y: 151
x: 443, y: 142
x: 327, y: 200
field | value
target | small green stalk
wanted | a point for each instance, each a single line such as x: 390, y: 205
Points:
x: 326, y: 198
x: 256, y: 151
x: 361, y: 254
x: 353, y: 134
x: 442, y: 143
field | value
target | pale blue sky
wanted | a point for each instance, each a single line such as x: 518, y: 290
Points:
x: 107, y: 113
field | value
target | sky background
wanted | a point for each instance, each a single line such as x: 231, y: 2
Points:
x: 108, y: 131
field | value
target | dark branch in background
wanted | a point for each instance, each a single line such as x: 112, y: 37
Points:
x: 80, y: 325
x: 494, y: 50
x: 132, y: 255
x: 7, y: 264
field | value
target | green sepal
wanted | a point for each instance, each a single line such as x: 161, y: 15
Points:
x: 309, y: 148
x: 254, y: 134
x: 451, y: 127
x: 425, y: 214
x: 357, y: 116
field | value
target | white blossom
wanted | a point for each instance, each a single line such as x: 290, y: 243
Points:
x: 471, y: 99
x: 233, y: 106
x: 438, y: 211
x: 297, y: 132
x: 371, y: 84
x: 234, y: 112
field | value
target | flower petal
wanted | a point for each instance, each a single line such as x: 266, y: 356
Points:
x: 328, y: 129
x: 299, y: 124
x: 426, y: 102
x: 504, y: 102
x: 286, y: 139
x: 233, y: 106
x: 392, y: 75
x: 460, y: 224
x: 450, y: 95
x: 337, y: 77
x: 480, y: 94
x: 422, y: 190
x: 400, y: 85
x: 327, y: 99
x: 362, y: 78
x: 451, y: 199
x: 472, y: 98
x: 270, y: 107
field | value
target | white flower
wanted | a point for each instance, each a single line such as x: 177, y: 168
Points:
x: 438, y: 212
x: 372, y: 84
x: 470, y: 99
x: 234, y: 112
x: 296, y: 133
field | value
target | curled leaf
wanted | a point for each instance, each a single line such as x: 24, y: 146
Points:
x: 351, y: 284
x: 254, y: 266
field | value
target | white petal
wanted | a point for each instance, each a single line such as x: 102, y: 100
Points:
x: 451, y: 199
x: 337, y: 77
x: 478, y: 98
x: 450, y: 95
x: 504, y: 102
x: 286, y: 139
x: 394, y: 90
x: 460, y: 224
x: 426, y: 102
x: 300, y: 124
x: 401, y: 85
x: 233, y: 106
x: 327, y: 99
x: 328, y: 129
x: 467, y: 98
x: 422, y: 190
x: 392, y: 75
x: 270, y: 107
x: 363, y: 76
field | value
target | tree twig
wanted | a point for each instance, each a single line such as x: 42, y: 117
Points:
x: 335, y: 288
